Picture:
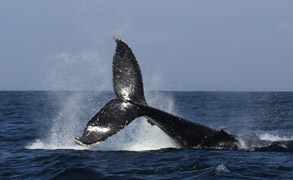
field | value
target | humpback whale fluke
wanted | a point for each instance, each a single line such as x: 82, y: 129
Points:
x: 127, y: 79
x: 131, y: 104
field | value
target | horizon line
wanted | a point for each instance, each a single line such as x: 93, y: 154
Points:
x: 80, y: 90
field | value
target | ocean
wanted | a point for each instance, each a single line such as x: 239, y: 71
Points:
x: 37, y: 131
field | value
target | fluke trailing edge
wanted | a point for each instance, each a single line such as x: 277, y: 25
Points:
x: 131, y: 104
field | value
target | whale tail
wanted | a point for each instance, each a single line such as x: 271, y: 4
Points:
x: 131, y: 104
x: 127, y: 79
x: 113, y: 117
x: 119, y: 112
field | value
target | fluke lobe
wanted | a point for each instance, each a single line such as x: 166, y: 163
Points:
x: 130, y: 104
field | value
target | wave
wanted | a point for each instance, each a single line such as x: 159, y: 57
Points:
x: 222, y: 168
x: 268, y: 143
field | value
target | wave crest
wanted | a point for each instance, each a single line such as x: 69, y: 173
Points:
x: 274, y: 138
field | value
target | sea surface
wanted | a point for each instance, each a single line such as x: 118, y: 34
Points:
x: 37, y: 131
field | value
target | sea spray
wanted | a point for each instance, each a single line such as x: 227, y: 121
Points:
x: 64, y: 127
x: 67, y: 71
x: 82, y: 71
x: 137, y: 136
x: 274, y: 137
x: 79, y: 71
x: 70, y: 121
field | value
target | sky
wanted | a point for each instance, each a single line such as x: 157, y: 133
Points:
x: 187, y: 45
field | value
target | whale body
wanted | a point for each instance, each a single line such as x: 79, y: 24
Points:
x: 130, y: 104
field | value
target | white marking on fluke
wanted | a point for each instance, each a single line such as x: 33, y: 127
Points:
x: 98, y: 129
x: 125, y: 105
x: 125, y: 93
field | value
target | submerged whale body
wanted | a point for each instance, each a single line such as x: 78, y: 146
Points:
x: 131, y: 104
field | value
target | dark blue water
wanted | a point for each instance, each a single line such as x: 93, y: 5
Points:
x: 37, y: 129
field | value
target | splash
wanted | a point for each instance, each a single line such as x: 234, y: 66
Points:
x: 137, y: 136
x: 65, y: 126
x: 79, y: 71
x: 41, y: 144
x: 67, y: 71
x: 222, y: 168
x: 242, y: 144
x: 161, y: 101
x: 274, y: 138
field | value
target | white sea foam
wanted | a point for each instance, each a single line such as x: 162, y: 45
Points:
x: 222, y: 168
x: 137, y: 136
x: 274, y: 138
x: 42, y: 144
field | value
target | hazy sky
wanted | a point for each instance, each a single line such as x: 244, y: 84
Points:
x: 181, y: 45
